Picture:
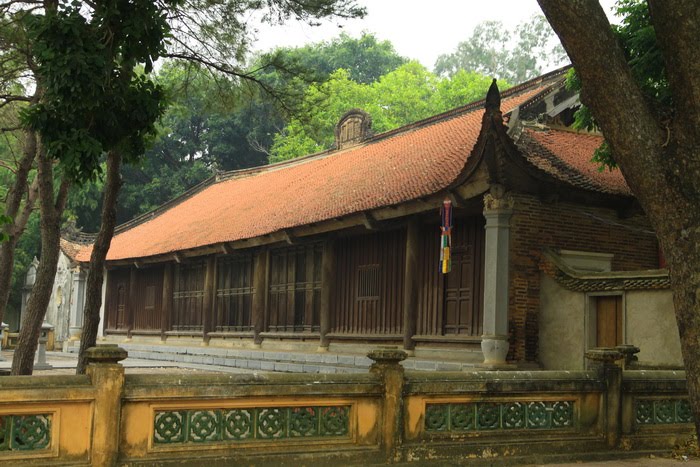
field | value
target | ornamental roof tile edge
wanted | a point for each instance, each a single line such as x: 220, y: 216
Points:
x: 578, y: 281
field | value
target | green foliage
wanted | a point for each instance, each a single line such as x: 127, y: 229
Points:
x: 87, y: 70
x: 214, y: 122
x: 638, y: 39
x: 463, y: 87
x: 366, y: 59
x: 28, y: 246
x: 154, y: 182
x: 513, y: 55
x: 403, y: 96
x: 4, y: 220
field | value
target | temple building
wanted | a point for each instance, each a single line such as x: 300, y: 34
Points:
x: 484, y: 233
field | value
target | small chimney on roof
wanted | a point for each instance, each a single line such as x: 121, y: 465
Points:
x: 353, y: 128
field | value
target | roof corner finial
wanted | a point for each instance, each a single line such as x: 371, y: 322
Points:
x: 493, y: 97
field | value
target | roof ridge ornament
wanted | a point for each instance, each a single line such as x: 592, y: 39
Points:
x: 354, y: 127
x: 493, y: 98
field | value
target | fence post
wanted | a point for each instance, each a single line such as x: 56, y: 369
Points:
x: 387, y: 366
x: 604, y: 360
x: 107, y: 376
x: 629, y: 353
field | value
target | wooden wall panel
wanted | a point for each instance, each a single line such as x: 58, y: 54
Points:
x: 149, y: 299
x: 430, y: 296
x: 234, y: 293
x: 188, y: 297
x: 116, y: 299
x: 295, y: 288
x: 452, y: 304
x: 368, y: 296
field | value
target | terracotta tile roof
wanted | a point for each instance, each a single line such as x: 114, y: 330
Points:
x: 388, y: 169
x: 72, y: 249
x: 397, y: 166
x: 566, y: 155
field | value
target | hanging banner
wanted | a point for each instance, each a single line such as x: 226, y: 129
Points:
x: 445, y: 236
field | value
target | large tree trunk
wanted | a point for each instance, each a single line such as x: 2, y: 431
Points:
x: 660, y: 159
x: 51, y: 211
x: 19, y: 222
x: 93, y: 299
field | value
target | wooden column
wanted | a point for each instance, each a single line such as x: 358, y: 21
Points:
x: 411, y: 284
x: 328, y: 278
x: 167, y: 304
x: 262, y: 260
x: 209, y: 297
x: 131, y: 303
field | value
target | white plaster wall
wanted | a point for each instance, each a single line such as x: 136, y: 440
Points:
x: 651, y: 326
x: 562, y: 326
x: 649, y: 323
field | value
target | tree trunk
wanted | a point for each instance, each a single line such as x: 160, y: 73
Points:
x: 12, y: 208
x: 660, y: 159
x: 51, y: 211
x: 685, y: 282
x: 93, y: 298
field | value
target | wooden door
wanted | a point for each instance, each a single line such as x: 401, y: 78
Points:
x: 148, y: 299
x: 609, y: 321
x: 459, y: 294
x: 464, y: 284
x: 121, y: 306
x: 117, y: 299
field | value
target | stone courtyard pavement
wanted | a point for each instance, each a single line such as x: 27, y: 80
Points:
x: 642, y: 462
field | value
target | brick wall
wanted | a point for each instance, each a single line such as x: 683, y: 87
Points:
x: 536, y: 225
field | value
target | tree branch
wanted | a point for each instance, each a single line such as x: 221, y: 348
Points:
x: 29, y: 205
x: 230, y: 72
x: 609, y: 89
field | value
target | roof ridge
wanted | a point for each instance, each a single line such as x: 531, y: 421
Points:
x: 525, y: 140
x: 454, y: 112
x: 145, y: 217
x: 586, y: 281
x: 251, y: 171
x: 563, y: 129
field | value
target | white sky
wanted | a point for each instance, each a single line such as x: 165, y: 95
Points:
x: 418, y: 29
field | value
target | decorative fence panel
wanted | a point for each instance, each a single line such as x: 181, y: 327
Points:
x: 385, y: 415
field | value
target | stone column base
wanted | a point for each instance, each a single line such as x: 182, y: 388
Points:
x: 495, y: 350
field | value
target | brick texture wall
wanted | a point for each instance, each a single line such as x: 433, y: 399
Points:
x: 536, y: 225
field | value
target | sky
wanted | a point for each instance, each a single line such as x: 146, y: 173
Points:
x: 418, y: 29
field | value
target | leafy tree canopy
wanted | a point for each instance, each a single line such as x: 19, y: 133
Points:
x: 87, y: 71
x: 366, y: 58
x: 513, y: 55
x: 637, y: 37
x: 216, y: 122
x: 403, y: 96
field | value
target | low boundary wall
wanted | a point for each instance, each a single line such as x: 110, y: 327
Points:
x: 386, y: 415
